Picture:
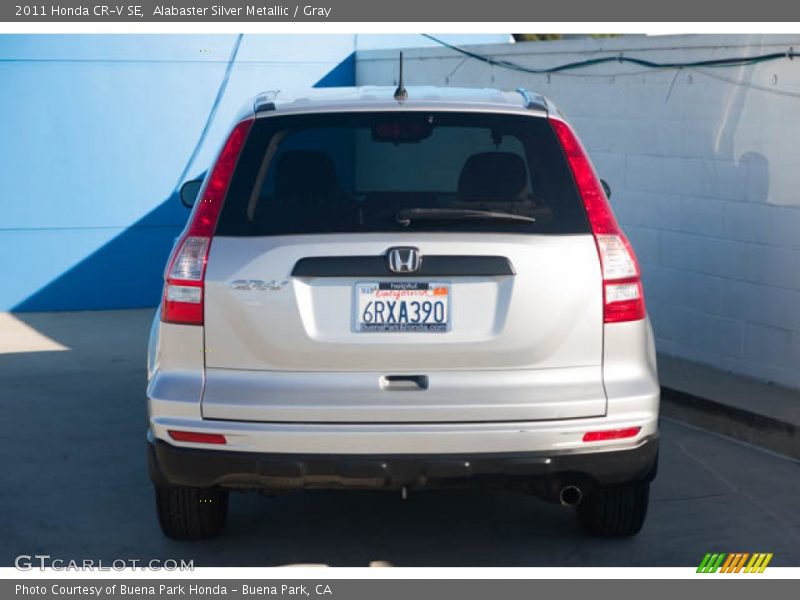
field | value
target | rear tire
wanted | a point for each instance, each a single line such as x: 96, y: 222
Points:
x: 615, y: 510
x: 187, y: 513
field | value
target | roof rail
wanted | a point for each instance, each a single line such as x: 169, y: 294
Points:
x: 532, y: 100
x: 265, y: 101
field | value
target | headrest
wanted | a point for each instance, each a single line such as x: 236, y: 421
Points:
x: 493, y: 176
x: 304, y: 173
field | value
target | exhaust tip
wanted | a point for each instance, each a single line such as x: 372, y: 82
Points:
x: 570, y: 495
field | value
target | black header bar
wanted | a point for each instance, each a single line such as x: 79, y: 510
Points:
x: 472, y: 11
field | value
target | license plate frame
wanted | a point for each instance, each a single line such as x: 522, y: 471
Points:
x: 402, y: 292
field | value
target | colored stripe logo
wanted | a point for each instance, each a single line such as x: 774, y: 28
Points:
x: 737, y: 562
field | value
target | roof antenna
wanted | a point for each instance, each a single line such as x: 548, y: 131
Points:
x: 401, y: 94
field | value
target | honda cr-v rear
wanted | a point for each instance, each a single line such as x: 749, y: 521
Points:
x: 402, y: 294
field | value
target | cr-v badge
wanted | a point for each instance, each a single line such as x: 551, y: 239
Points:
x: 258, y: 284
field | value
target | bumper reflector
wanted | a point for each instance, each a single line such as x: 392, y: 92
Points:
x: 197, y: 437
x: 611, y: 434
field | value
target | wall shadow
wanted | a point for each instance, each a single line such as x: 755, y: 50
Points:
x: 124, y: 273
x: 342, y: 75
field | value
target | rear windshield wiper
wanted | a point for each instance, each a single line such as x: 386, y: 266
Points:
x: 405, y: 217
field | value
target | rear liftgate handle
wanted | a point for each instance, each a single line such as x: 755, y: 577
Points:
x: 404, y: 383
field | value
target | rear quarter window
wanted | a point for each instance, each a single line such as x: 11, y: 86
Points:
x: 367, y: 172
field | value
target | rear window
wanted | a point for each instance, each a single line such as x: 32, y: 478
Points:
x: 393, y: 172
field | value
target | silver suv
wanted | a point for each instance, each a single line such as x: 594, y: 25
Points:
x: 402, y: 292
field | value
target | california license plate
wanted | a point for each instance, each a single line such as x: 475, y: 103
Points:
x: 402, y: 306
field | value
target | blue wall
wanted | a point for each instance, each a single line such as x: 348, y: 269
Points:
x: 96, y: 133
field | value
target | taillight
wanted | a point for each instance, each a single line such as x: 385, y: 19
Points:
x: 186, y: 268
x: 623, y: 299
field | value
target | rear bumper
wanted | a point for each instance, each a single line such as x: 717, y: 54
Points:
x: 543, y: 472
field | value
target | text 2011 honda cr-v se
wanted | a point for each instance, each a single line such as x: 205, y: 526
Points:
x: 429, y: 291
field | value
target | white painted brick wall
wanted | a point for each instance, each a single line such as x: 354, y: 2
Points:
x: 705, y: 171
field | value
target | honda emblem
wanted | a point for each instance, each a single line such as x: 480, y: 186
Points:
x: 404, y: 260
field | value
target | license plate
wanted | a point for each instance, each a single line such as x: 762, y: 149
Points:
x: 402, y: 306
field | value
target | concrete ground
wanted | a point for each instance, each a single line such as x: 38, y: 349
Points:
x: 74, y: 483
x: 749, y: 410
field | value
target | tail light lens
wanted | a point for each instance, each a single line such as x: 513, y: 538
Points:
x: 623, y: 299
x: 183, y: 287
